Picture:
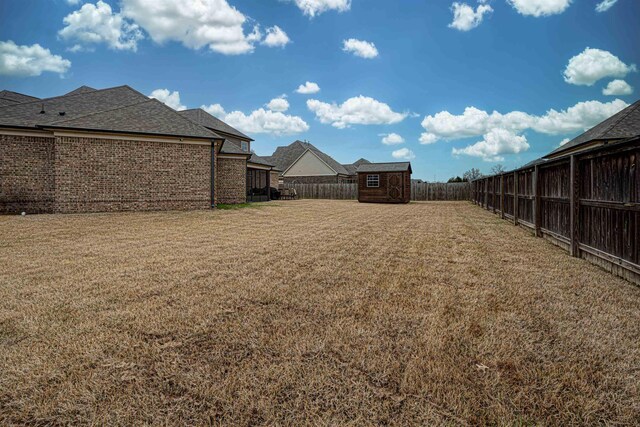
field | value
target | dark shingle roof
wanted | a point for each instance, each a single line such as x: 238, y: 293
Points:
x: 81, y: 89
x: 200, y: 116
x: 625, y: 124
x: 385, y: 167
x: 8, y: 97
x: 259, y: 160
x: 229, y: 147
x: 28, y: 114
x: 149, y: 117
x: 118, y: 109
x: 352, y: 168
x: 284, y: 157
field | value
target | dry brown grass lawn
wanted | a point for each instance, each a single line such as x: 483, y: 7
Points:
x: 309, y: 312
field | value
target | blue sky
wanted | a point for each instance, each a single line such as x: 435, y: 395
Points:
x: 411, y: 69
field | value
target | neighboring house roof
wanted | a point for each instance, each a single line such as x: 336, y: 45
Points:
x: 81, y: 89
x: 385, y: 167
x: 625, y: 124
x: 352, y: 168
x: 118, y: 109
x: 284, y: 157
x: 229, y: 147
x: 8, y: 97
x: 200, y: 116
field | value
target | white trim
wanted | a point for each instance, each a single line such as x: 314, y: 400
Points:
x: 231, y: 156
x: 318, y: 157
x: 18, y: 132
x: 130, y: 137
x: 257, y: 166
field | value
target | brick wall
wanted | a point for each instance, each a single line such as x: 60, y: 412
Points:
x: 26, y: 174
x: 274, y: 177
x: 231, y: 177
x: 96, y: 175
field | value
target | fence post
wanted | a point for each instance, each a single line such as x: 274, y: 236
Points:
x: 502, y: 196
x: 515, y: 198
x: 486, y: 193
x: 493, y: 198
x: 574, y: 206
x: 537, y: 209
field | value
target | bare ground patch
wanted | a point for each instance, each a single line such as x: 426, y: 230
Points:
x: 309, y: 312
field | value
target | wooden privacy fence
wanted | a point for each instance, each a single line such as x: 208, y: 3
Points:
x: 419, y: 191
x: 588, y: 203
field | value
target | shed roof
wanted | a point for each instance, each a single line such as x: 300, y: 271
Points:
x: 385, y: 167
x: 353, y: 167
x: 206, y: 119
x: 624, y: 124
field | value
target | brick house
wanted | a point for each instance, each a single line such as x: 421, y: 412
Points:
x: 108, y: 150
x: 302, y: 163
x: 236, y: 162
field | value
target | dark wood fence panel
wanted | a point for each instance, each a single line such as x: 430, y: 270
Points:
x: 588, y: 204
x: 425, y: 191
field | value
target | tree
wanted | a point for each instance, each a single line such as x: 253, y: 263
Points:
x: 455, y: 179
x: 472, y: 174
x: 498, y: 169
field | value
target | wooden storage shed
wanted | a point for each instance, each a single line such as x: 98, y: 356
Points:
x: 384, y: 182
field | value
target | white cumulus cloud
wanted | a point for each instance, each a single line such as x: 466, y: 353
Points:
x: 539, y: 8
x: 392, y: 139
x: 428, y: 138
x: 194, y: 23
x: 308, y: 88
x: 260, y: 121
x: 475, y: 122
x: 97, y: 24
x: 617, y: 87
x: 171, y: 99
x: 495, y: 143
x: 361, y: 48
x: 29, y: 61
x: 564, y: 141
x: 403, y: 154
x: 359, y: 110
x: 465, y: 18
x: 276, y: 37
x: 591, y: 65
x: 312, y: 8
x: 278, y: 104
x: 605, y: 5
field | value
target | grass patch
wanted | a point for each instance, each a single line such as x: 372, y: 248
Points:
x: 228, y: 207
x: 317, y: 313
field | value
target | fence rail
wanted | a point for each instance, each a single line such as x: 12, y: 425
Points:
x: 424, y: 191
x: 587, y: 203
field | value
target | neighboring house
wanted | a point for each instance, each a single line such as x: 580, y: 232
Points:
x: 384, y: 182
x: 302, y: 163
x: 623, y: 125
x: 108, y: 150
x: 243, y: 176
x: 353, y: 167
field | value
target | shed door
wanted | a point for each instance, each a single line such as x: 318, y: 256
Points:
x: 395, y: 186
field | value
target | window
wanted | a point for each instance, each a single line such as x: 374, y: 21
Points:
x: 373, y: 180
x: 244, y: 145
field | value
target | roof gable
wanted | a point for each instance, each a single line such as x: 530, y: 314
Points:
x: 284, y: 157
x: 624, y: 124
x: 81, y: 89
x: 203, y: 118
x: 309, y: 164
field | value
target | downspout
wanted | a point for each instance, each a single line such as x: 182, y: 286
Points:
x: 213, y: 174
